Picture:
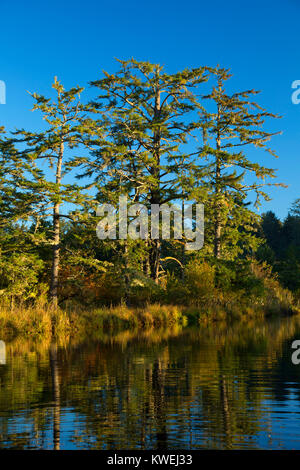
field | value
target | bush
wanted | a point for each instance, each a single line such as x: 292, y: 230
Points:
x: 197, y: 287
x: 200, y: 282
x: 19, y: 274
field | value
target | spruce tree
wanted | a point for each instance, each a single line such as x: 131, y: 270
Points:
x: 149, y: 116
x: 16, y: 198
x: 66, y: 127
x: 228, y: 176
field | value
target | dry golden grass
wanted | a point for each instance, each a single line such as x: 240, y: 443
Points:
x: 41, y: 321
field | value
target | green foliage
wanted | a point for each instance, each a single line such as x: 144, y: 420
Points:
x: 282, y: 246
x: 19, y: 276
x: 200, y: 282
x: 157, y: 138
x: 235, y: 123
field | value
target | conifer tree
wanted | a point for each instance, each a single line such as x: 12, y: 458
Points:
x: 230, y: 177
x: 66, y: 127
x: 149, y: 117
x: 295, y: 209
x: 16, y: 197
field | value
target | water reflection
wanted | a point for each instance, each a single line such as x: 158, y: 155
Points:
x: 56, y: 395
x: 222, y: 387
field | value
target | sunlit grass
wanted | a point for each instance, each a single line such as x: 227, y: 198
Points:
x: 41, y: 321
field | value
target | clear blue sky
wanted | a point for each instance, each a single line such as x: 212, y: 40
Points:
x: 75, y: 40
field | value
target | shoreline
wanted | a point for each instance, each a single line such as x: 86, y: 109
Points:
x: 41, y: 321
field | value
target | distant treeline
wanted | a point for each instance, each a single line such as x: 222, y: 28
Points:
x: 282, y: 247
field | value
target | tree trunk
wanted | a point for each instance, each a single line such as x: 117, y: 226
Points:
x: 183, y: 257
x: 218, y: 225
x: 217, y: 235
x: 154, y: 259
x: 147, y: 270
x: 56, y: 235
x: 154, y: 256
x: 126, y: 276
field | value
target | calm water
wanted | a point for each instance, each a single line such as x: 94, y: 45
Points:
x: 221, y: 387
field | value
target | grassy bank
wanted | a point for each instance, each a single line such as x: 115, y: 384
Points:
x: 226, y: 291
x: 41, y: 321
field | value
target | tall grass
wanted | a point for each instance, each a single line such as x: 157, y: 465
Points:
x: 42, y: 321
x: 198, y: 299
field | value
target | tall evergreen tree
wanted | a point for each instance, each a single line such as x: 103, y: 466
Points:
x: 16, y: 197
x: 66, y: 127
x: 230, y: 176
x: 272, y: 230
x: 149, y: 117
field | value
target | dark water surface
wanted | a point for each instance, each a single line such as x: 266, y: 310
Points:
x: 220, y: 387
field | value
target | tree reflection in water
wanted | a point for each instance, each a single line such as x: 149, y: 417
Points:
x: 219, y: 387
x: 56, y: 395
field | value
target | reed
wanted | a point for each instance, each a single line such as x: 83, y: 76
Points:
x: 41, y: 321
